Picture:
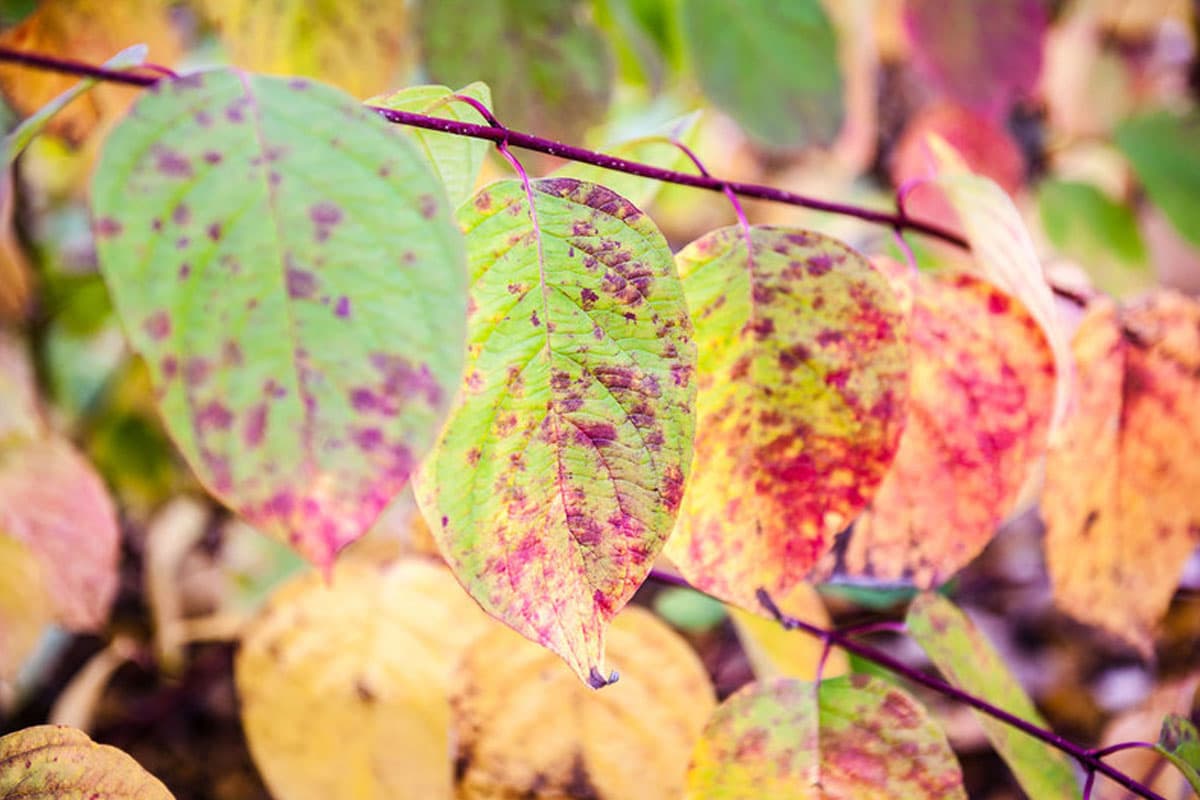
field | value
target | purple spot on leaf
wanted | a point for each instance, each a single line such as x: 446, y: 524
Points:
x: 300, y: 283
x: 172, y: 164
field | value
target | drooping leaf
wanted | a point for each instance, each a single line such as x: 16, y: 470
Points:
x: 525, y: 727
x: 982, y: 53
x: 344, y: 683
x: 89, y: 31
x: 54, y: 762
x: 1122, y: 477
x: 549, y: 68
x: 980, y: 403
x: 803, y: 378
x: 358, y: 46
x: 1180, y: 742
x: 1164, y: 149
x: 455, y: 159
x: 25, y: 607
x: 558, y: 477
x: 967, y: 660
x: 1096, y: 231
x: 775, y: 651
x: 794, y: 98
x: 53, y: 502
x: 862, y: 738
x: 289, y: 270
x: 656, y: 150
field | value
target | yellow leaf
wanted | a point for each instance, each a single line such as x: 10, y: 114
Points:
x: 359, y: 46
x: 20, y: 418
x: 51, y: 762
x: 25, y: 608
x: 1122, y: 479
x: 526, y: 727
x: 344, y: 684
x: 774, y: 651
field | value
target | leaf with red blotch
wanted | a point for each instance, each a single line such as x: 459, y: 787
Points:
x: 981, y: 397
x: 290, y: 271
x: 53, y: 502
x: 984, y: 54
x: 803, y: 378
x: 1122, y: 475
x: 855, y: 736
x: 49, y: 762
x: 558, y: 477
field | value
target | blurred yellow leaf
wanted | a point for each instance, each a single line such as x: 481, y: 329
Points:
x: 19, y: 415
x: 16, y: 280
x: 776, y: 652
x: 344, y: 684
x: 526, y: 727
x: 25, y: 608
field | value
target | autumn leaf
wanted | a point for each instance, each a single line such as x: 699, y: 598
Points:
x: 558, y: 477
x: 862, y: 738
x: 359, y: 666
x: 981, y: 397
x: 51, y: 762
x: 288, y: 268
x: 1122, y: 476
x: 802, y: 377
x: 25, y: 606
x: 20, y: 417
x: 1180, y: 742
x: 525, y: 726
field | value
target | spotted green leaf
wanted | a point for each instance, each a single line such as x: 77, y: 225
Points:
x: 862, y: 738
x: 557, y: 479
x: 795, y: 96
x: 1164, y: 149
x: 456, y: 159
x: 289, y: 269
x: 1180, y: 742
x: 549, y: 68
x: 803, y: 381
x: 965, y: 657
x: 54, y: 762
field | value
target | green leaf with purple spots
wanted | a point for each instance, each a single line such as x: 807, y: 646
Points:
x: 53, y: 762
x: 1180, y: 743
x: 557, y: 479
x: 803, y: 383
x: 289, y: 269
x: 862, y: 738
x: 967, y: 659
x: 456, y: 159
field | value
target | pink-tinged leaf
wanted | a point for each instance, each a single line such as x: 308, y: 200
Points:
x: 1122, y: 477
x: 54, y: 502
x: 852, y: 737
x: 980, y: 404
x: 803, y: 378
x: 289, y: 269
x: 53, y: 762
x: 559, y: 475
x: 986, y: 54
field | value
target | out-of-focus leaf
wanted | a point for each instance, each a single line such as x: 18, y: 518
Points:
x: 803, y: 379
x: 793, y: 98
x: 981, y: 398
x: 25, y: 607
x: 53, y: 502
x: 967, y: 660
x: 51, y: 762
x: 862, y: 738
x: 775, y: 651
x: 1164, y: 149
x: 89, y: 31
x: 643, y: 36
x: 20, y: 418
x: 1144, y: 723
x: 627, y: 741
x: 1122, y: 477
x: 344, y: 682
x: 16, y: 277
x: 689, y: 610
x: 1097, y: 232
x: 280, y: 262
x: 548, y: 67
x: 559, y: 475
x: 1180, y: 742
x: 985, y: 54
x: 456, y: 159
x: 359, y: 46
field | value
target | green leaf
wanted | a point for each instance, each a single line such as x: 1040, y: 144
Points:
x: 656, y: 150
x: 557, y: 479
x: 549, y: 70
x: 455, y: 159
x: 968, y: 661
x: 794, y: 97
x: 52, y: 762
x: 689, y: 610
x: 1180, y: 742
x: 862, y: 738
x: 288, y: 267
x: 1099, y: 233
x: 1164, y: 149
